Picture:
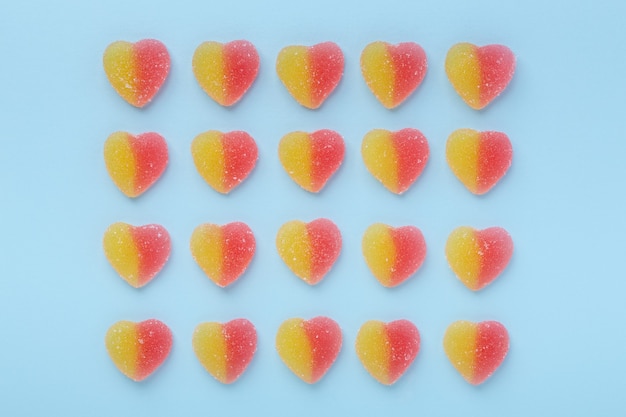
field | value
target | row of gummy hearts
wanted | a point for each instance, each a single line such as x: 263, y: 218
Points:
x: 396, y: 159
x: 308, y: 347
x: 310, y: 74
x: 393, y: 254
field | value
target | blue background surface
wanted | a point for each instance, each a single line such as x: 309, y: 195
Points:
x: 562, y: 201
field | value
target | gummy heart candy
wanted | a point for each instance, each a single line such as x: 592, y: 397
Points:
x: 393, y: 72
x: 136, y: 253
x: 396, y: 159
x: 226, y: 71
x: 309, y: 347
x: 386, y: 350
x: 135, y: 163
x: 309, y: 249
x: 137, y: 70
x: 393, y: 254
x: 311, y: 159
x: 225, y: 350
x: 224, y: 160
x: 479, y: 74
x: 476, y: 350
x: 311, y: 73
x: 479, y: 159
x: 138, y: 349
x: 477, y: 257
x: 223, y: 252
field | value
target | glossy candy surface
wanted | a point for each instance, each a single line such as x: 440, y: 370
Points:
x: 225, y: 349
x: 137, y: 70
x: 393, y: 72
x: 226, y: 71
x: 309, y: 249
x: 138, y: 349
x: 396, y: 159
x: 479, y: 74
x: 223, y: 252
x: 476, y: 350
x: 137, y: 253
x: 311, y: 159
x: 309, y: 347
x: 311, y: 73
x: 386, y: 350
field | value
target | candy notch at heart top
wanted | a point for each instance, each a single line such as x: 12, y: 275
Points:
x: 137, y: 70
x: 393, y: 254
x: 226, y: 71
x: 310, y: 74
x: 477, y: 257
x: 135, y: 163
x: 224, y: 160
x: 138, y: 349
x: 136, y: 253
x: 393, y: 72
x: 479, y: 74
x: 225, y: 350
x: 311, y: 159
x: 386, y: 350
x: 309, y: 347
x: 309, y: 249
x: 476, y: 350
x: 396, y: 159
x: 223, y: 252
x: 479, y: 159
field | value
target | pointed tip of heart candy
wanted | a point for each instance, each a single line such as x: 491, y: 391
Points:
x: 223, y: 252
x: 479, y: 74
x: 476, y: 350
x: 137, y: 253
x: 138, y: 349
x: 309, y: 347
x: 311, y: 159
x: 393, y: 72
x: 226, y: 71
x: 224, y: 160
x: 225, y: 349
x: 137, y: 70
x: 478, y: 257
x: 135, y: 163
x: 479, y: 159
x: 387, y: 350
x: 311, y: 73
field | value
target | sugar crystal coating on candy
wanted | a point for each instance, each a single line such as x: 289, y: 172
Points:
x: 311, y: 159
x: 393, y: 72
x: 135, y: 163
x: 138, y: 349
x: 223, y: 252
x: 393, y: 254
x: 309, y: 347
x: 309, y: 249
x: 476, y: 350
x: 137, y: 70
x: 226, y: 71
x: 477, y: 257
x: 479, y: 159
x: 224, y: 160
x: 386, y: 350
x: 136, y: 253
x: 225, y: 349
x: 396, y: 159
x: 311, y: 73
x: 479, y: 74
